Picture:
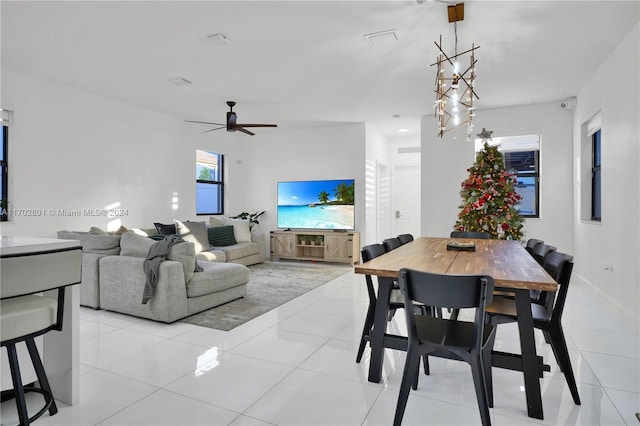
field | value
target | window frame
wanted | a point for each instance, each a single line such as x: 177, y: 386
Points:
x: 521, y: 143
x: 218, y: 183
x: 596, y: 176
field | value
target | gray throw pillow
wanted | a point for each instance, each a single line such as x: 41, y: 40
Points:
x: 135, y: 245
x: 184, y: 253
x: 194, y: 232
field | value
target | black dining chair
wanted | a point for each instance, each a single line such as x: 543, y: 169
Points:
x: 531, y: 243
x: 405, y: 238
x: 470, y: 234
x: 547, y: 316
x: 391, y: 244
x: 396, y: 300
x: 540, y: 252
x: 470, y: 342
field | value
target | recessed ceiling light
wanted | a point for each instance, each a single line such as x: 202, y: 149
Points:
x: 218, y: 39
x: 179, y: 81
x: 403, y: 130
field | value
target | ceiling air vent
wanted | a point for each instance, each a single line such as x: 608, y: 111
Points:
x: 381, y: 38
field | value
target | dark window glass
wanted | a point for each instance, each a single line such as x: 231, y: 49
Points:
x: 596, y: 183
x: 4, y: 174
x: 209, y: 183
x: 526, y: 164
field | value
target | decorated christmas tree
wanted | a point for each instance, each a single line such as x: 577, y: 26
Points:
x: 489, y: 196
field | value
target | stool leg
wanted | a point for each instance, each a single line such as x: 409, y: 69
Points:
x: 17, y: 384
x: 42, y: 375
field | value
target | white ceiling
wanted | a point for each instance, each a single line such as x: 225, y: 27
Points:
x: 301, y: 63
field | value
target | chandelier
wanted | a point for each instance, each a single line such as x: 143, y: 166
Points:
x: 455, y: 94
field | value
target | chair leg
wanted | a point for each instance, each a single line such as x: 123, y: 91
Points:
x: 41, y: 374
x: 488, y: 373
x: 425, y: 364
x: 559, y: 344
x: 408, y: 380
x: 17, y: 384
x: 547, y: 338
x: 391, y: 313
x: 454, y: 314
x: 366, y: 330
x: 477, y: 370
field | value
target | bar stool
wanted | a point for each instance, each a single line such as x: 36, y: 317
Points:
x: 25, y: 315
x: 23, y: 318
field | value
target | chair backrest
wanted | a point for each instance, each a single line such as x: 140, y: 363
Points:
x: 367, y: 253
x: 531, y: 243
x: 447, y: 291
x: 559, y: 265
x: 372, y: 251
x: 405, y: 238
x: 470, y: 234
x: 541, y: 251
x: 391, y: 244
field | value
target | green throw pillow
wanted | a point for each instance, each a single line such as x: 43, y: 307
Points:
x: 221, y: 236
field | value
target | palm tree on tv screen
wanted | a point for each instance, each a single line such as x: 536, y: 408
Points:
x: 323, y: 197
x: 344, y: 193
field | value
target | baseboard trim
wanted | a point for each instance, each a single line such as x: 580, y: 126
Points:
x: 629, y: 318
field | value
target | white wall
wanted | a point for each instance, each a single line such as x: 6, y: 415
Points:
x: 617, y: 237
x: 258, y: 163
x: 441, y: 178
x: 71, y: 150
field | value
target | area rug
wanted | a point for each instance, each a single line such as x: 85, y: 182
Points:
x: 271, y: 285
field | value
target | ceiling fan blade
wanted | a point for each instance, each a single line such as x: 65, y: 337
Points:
x: 256, y: 125
x: 217, y: 128
x: 240, y: 129
x: 203, y: 122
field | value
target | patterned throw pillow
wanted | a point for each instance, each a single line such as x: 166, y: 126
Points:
x: 221, y: 236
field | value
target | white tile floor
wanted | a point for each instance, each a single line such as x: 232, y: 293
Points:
x: 296, y: 365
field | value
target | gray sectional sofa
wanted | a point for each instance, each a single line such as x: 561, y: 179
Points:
x: 113, y: 277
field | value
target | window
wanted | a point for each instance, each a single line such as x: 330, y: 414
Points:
x: 4, y: 173
x: 596, y: 184
x: 209, y: 183
x: 521, y: 155
x: 590, y: 174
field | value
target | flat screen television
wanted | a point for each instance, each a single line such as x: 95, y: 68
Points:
x: 316, y: 204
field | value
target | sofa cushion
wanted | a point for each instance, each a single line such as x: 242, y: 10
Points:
x: 163, y: 229
x: 135, y: 245
x: 194, y: 232
x: 216, y: 221
x: 101, y: 244
x: 184, y: 253
x: 213, y: 255
x: 240, y: 229
x: 221, y: 236
x: 239, y: 250
x: 216, y: 277
x: 94, y: 230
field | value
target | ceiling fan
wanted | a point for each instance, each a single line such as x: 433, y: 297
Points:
x: 232, y: 125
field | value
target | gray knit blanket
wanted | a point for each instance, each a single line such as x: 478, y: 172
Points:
x: 157, y: 254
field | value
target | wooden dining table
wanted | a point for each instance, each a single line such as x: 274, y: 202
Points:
x: 512, y: 268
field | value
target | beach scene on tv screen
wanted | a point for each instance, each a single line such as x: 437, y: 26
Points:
x: 326, y: 204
